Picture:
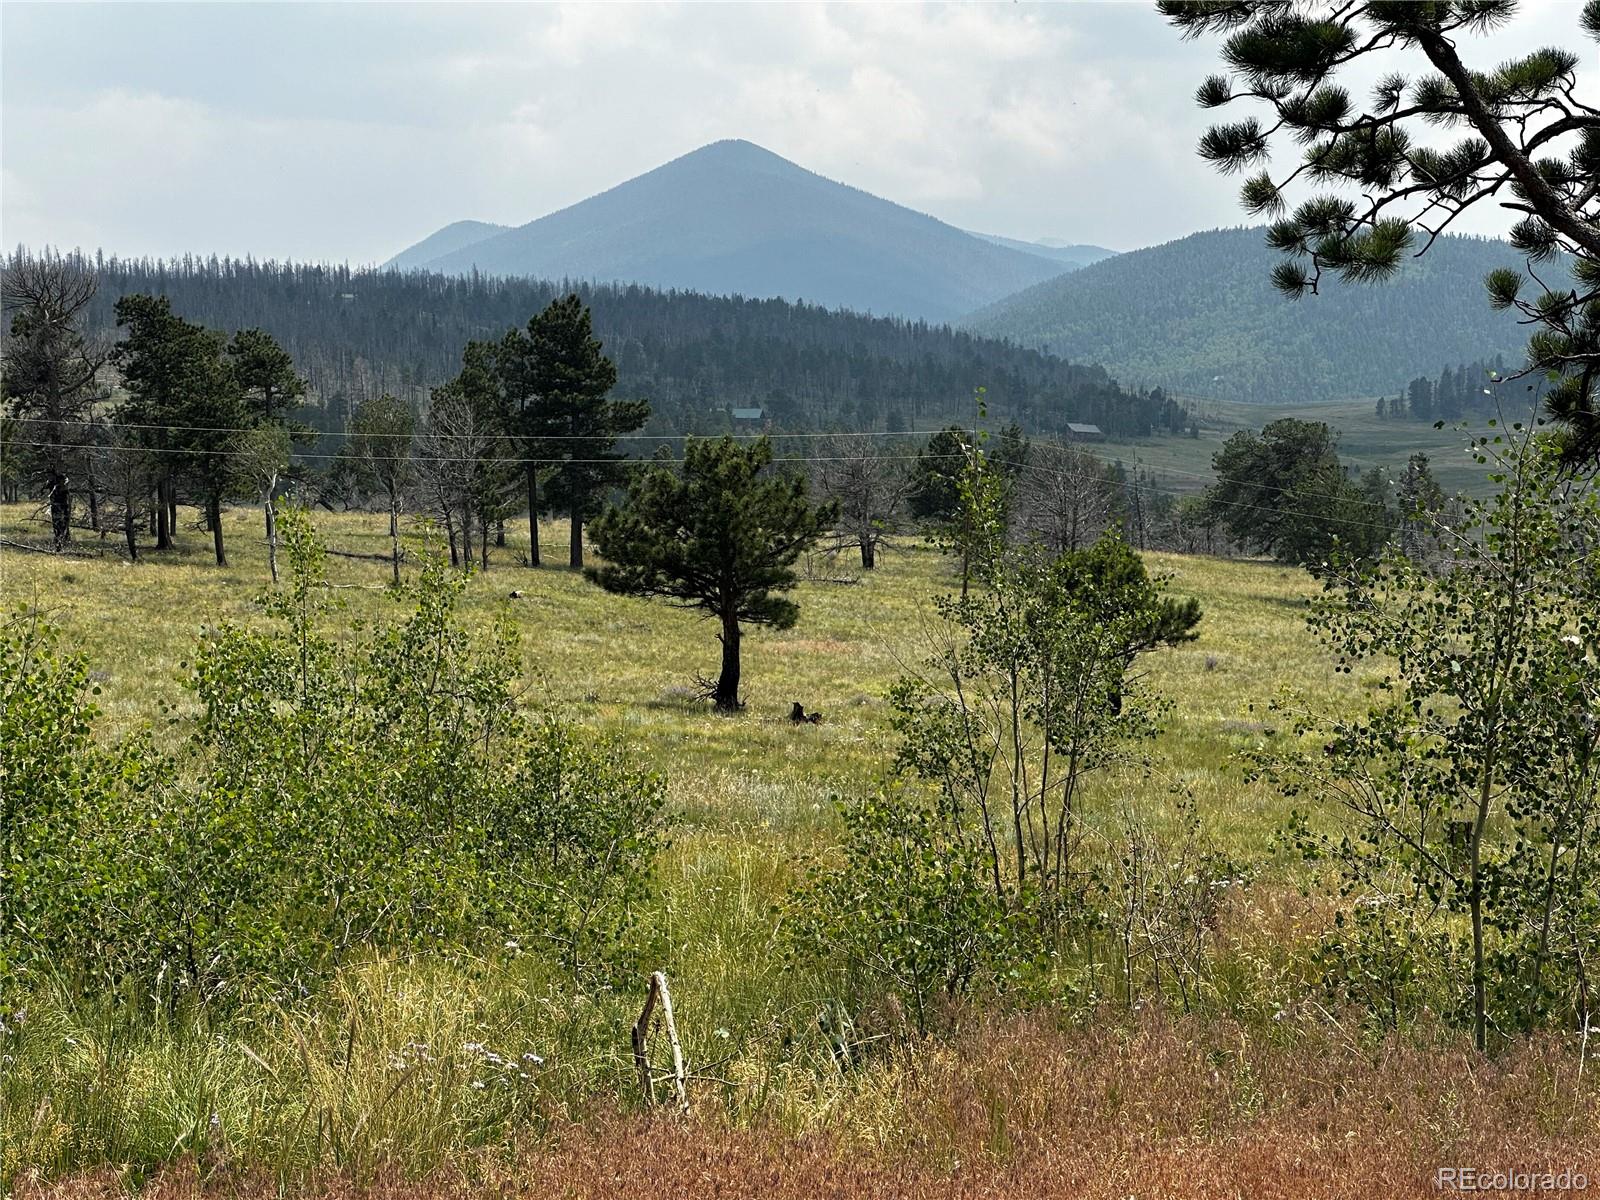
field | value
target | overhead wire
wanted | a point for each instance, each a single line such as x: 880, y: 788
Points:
x: 557, y: 460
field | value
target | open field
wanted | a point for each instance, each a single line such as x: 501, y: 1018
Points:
x: 1184, y: 464
x: 1261, y: 1092
x: 628, y: 666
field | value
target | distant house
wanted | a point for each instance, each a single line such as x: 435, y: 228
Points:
x: 1085, y: 433
x: 747, y: 418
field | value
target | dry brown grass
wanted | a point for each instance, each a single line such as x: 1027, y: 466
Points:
x: 1166, y: 1108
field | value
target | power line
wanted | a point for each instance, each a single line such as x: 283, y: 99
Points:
x: 516, y: 437
x: 1271, y: 508
x: 626, y: 462
x: 548, y: 461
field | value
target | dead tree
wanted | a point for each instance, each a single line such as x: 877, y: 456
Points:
x: 127, y: 477
x: 1065, y: 498
x: 459, y: 463
x: 870, y: 488
x: 50, y: 375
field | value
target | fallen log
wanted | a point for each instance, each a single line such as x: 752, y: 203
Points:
x: 383, y: 558
x: 63, y: 552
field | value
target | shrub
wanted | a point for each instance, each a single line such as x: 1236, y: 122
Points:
x: 907, y: 912
x: 69, y: 808
x: 336, y: 797
x: 1469, y: 791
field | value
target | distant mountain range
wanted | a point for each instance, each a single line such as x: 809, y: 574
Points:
x: 734, y: 219
x: 1063, y: 252
x: 1200, y: 316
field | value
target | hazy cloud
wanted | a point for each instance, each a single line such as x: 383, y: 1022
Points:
x: 349, y: 131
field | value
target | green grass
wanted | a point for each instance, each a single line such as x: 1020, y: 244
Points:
x: 628, y: 666
x: 314, y: 1083
x: 1184, y: 464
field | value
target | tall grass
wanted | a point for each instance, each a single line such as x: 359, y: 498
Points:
x: 1018, y: 1108
x: 443, y: 1063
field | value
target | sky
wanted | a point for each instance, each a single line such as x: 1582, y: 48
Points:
x: 345, y: 132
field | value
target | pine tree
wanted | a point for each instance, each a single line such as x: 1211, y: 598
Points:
x: 936, y: 476
x: 265, y: 374
x: 1533, y: 147
x: 182, y: 390
x: 564, y: 379
x: 721, y: 534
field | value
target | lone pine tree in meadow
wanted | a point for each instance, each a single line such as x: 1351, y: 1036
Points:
x: 1528, y: 145
x: 1284, y: 492
x: 721, y: 533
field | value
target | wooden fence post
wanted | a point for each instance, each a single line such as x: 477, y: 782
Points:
x: 658, y: 993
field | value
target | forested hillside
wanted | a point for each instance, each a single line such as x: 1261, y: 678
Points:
x: 358, y: 333
x: 1200, y: 316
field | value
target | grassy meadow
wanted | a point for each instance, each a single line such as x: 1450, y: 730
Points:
x: 1183, y: 464
x: 398, y: 1072
x: 628, y: 666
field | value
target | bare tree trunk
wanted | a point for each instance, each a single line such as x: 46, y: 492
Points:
x: 533, y: 515
x: 165, y: 516
x: 575, y: 558
x: 214, y: 514
x: 94, y: 502
x: 394, y: 538
x: 869, y: 553
x: 60, y: 510
x: 172, y: 507
x: 272, y: 531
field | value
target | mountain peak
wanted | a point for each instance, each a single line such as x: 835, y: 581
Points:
x: 735, y: 154
x: 733, y: 218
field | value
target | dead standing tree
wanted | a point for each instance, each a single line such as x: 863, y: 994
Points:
x: 1066, y: 498
x: 457, y: 461
x: 49, y: 380
x: 869, y: 487
x: 127, y: 474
